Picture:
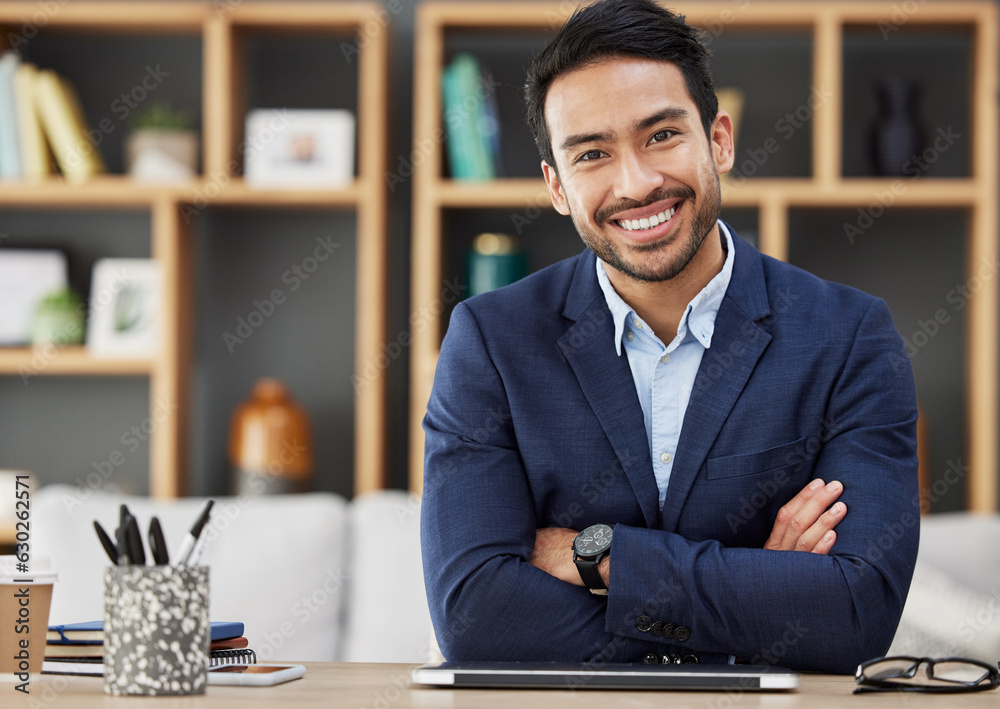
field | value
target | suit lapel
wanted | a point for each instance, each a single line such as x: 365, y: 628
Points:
x: 737, y: 345
x: 606, y: 380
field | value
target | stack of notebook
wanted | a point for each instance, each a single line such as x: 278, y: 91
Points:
x: 78, y: 648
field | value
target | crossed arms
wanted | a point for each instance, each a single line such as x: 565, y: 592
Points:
x: 500, y: 578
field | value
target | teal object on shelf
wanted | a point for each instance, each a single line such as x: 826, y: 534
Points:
x: 495, y: 261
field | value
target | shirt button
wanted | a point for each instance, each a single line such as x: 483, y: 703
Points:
x: 629, y: 336
x: 638, y: 323
x: 666, y: 457
x: 665, y: 358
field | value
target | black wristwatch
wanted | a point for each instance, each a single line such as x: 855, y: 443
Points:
x: 589, y: 548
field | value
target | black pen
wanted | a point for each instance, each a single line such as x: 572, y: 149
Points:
x: 109, y: 546
x: 191, y: 538
x: 122, y: 536
x: 157, y: 543
x: 134, y: 538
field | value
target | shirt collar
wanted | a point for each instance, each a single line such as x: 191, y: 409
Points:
x: 699, y: 316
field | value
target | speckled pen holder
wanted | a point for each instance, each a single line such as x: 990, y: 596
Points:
x: 156, y: 630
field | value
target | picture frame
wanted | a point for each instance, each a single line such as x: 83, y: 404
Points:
x: 289, y: 148
x: 26, y: 276
x: 124, y: 308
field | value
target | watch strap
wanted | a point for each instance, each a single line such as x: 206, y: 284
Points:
x: 589, y: 573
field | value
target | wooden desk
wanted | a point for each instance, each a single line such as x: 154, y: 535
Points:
x: 385, y: 686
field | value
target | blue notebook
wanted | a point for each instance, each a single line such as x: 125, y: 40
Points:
x: 92, y: 632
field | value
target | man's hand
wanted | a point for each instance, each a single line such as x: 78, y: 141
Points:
x: 806, y: 522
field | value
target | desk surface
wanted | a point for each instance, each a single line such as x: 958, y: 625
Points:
x: 386, y: 686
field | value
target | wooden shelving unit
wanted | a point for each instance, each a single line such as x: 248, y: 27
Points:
x: 825, y: 187
x: 223, y: 35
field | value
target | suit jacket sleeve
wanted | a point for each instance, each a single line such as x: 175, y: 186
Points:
x: 806, y: 611
x: 478, y: 525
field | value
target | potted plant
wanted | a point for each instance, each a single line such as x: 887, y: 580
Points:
x: 163, y: 145
x: 58, y: 319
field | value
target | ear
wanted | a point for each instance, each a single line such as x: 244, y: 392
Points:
x: 723, y: 147
x: 556, y: 193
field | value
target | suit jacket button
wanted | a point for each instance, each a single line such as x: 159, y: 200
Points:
x: 658, y: 627
x: 650, y: 658
x: 691, y: 660
x: 682, y: 633
x: 643, y: 623
x: 675, y: 658
x: 669, y: 630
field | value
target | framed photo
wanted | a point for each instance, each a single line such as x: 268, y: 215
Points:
x: 124, y: 310
x: 299, y: 148
x: 26, y: 276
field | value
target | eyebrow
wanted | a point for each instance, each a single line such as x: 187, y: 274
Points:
x: 571, y: 141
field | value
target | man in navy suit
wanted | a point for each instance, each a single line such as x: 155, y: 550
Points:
x: 742, y: 432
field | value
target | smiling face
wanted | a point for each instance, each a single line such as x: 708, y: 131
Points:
x: 636, y: 172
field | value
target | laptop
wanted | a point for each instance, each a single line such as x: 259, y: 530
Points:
x: 563, y: 675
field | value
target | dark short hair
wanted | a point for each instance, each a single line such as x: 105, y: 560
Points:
x: 612, y: 29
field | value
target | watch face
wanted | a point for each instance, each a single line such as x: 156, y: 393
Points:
x: 593, y: 540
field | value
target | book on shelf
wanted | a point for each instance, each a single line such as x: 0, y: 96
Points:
x: 65, y: 127
x: 471, y: 120
x: 10, y: 149
x: 36, y: 158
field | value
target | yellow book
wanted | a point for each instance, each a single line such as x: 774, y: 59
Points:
x: 35, y: 153
x: 65, y: 128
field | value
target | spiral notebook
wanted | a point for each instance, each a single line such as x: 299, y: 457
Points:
x: 94, y: 666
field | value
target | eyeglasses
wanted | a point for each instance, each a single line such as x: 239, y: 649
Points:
x: 925, y: 674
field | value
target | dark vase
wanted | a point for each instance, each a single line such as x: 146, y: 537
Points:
x: 897, y: 137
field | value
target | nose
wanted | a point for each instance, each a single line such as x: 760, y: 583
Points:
x: 637, y: 177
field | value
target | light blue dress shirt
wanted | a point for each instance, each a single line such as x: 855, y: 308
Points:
x: 664, y: 374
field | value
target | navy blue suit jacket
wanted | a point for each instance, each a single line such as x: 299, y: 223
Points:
x: 534, y: 422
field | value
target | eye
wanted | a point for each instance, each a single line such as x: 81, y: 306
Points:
x: 661, y: 135
x: 590, y: 155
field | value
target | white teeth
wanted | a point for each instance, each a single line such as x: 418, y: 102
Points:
x: 647, y: 223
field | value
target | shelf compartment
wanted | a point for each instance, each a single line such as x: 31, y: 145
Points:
x: 938, y: 64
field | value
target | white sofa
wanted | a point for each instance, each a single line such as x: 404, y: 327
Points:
x: 953, y: 608
x: 318, y: 577
x: 312, y: 577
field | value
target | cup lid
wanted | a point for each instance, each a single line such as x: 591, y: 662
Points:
x: 38, y: 570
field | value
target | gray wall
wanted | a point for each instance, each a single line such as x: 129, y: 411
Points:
x: 63, y: 428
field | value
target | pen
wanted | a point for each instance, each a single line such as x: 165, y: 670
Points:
x: 109, y: 546
x: 121, y: 534
x: 134, y: 539
x: 157, y: 543
x: 187, y: 545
